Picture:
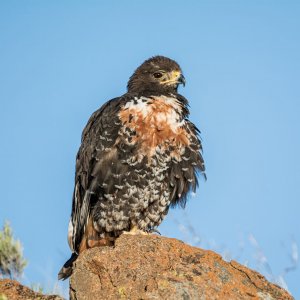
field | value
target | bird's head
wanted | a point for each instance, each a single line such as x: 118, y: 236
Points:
x: 158, y: 74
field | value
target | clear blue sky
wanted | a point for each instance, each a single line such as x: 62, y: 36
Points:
x: 61, y: 60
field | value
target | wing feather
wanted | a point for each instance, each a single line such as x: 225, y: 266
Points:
x: 184, y: 174
x: 98, y: 137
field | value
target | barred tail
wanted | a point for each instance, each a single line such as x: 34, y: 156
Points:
x: 67, y: 268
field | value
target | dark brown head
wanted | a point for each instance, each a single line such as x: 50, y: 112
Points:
x: 158, y: 74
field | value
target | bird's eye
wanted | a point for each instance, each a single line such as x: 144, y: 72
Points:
x: 157, y: 75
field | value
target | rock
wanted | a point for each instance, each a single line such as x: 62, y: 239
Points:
x: 13, y: 290
x: 154, y: 267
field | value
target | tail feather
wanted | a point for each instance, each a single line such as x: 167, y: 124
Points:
x: 67, y: 269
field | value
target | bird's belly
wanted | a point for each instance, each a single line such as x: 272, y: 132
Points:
x: 152, y: 138
x: 142, y: 200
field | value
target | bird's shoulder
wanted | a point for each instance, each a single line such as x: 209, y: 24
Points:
x: 103, y: 117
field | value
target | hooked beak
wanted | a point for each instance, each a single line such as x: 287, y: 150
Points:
x: 181, y: 80
x: 174, y: 78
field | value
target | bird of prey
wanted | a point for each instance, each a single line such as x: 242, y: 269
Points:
x: 139, y: 156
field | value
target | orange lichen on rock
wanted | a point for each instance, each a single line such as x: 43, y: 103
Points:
x: 13, y: 290
x: 154, y: 267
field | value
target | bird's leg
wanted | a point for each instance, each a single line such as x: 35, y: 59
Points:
x: 134, y: 230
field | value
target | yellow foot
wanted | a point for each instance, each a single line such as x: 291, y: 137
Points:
x: 134, y: 231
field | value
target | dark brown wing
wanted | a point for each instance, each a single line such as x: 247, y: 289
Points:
x: 98, y: 138
x: 183, y: 173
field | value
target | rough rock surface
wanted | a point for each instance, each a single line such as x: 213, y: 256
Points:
x: 154, y: 267
x: 13, y: 290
